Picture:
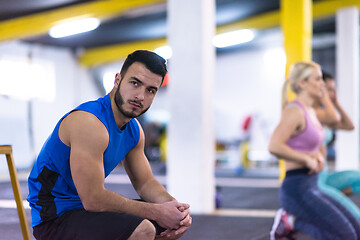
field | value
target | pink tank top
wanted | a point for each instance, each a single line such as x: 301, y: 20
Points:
x: 309, y: 139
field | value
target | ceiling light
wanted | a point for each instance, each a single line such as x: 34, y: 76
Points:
x: 233, y: 38
x: 164, y: 52
x: 74, y: 27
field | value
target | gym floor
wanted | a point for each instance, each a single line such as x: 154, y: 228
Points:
x: 248, y: 204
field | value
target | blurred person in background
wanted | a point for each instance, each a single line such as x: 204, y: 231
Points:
x: 297, y: 139
x: 331, y: 114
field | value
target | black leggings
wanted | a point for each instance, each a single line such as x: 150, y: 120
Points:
x: 316, y: 213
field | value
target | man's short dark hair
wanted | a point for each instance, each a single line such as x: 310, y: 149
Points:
x: 327, y: 76
x: 151, y: 60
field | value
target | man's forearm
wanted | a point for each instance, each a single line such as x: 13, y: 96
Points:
x: 153, y: 191
x: 108, y: 201
x: 166, y: 214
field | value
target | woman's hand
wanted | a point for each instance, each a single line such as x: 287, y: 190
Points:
x: 315, y: 162
x: 311, y: 163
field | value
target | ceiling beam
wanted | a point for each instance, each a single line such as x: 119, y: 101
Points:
x: 261, y: 21
x: 40, y: 23
x: 328, y: 8
x: 103, y: 55
x: 272, y: 19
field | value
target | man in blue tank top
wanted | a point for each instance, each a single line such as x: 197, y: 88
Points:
x: 66, y: 185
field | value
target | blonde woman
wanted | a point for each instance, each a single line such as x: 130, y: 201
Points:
x: 297, y: 140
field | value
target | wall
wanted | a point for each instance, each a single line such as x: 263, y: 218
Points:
x: 245, y: 84
x: 27, y: 124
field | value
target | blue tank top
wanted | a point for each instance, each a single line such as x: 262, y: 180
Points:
x: 51, y: 188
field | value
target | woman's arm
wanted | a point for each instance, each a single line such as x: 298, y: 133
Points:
x: 326, y: 111
x: 292, y: 121
x: 332, y: 114
x: 345, y: 122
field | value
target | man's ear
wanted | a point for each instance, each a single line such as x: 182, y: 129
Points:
x: 117, y: 79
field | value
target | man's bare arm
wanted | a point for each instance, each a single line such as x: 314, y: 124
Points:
x: 149, y: 189
x: 88, y: 139
x: 138, y: 168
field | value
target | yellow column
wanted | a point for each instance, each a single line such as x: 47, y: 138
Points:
x: 296, y: 24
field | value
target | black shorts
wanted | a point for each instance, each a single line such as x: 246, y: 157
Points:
x: 81, y: 224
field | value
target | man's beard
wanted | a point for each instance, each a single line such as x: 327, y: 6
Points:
x: 119, y: 101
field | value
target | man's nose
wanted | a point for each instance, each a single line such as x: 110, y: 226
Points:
x: 140, y: 95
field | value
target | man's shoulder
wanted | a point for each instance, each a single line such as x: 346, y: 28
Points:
x: 86, y: 130
x: 98, y: 105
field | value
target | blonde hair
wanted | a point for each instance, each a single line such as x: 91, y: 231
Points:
x: 298, y: 71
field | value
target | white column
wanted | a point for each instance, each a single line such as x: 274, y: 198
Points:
x: 191, y: 145
x: 347, y: 66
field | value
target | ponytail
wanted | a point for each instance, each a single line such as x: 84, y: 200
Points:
x: 284, y: 94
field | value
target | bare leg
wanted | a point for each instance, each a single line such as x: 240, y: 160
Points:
x: 145, y: 231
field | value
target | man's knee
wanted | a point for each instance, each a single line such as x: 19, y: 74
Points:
x: 145, y: 230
